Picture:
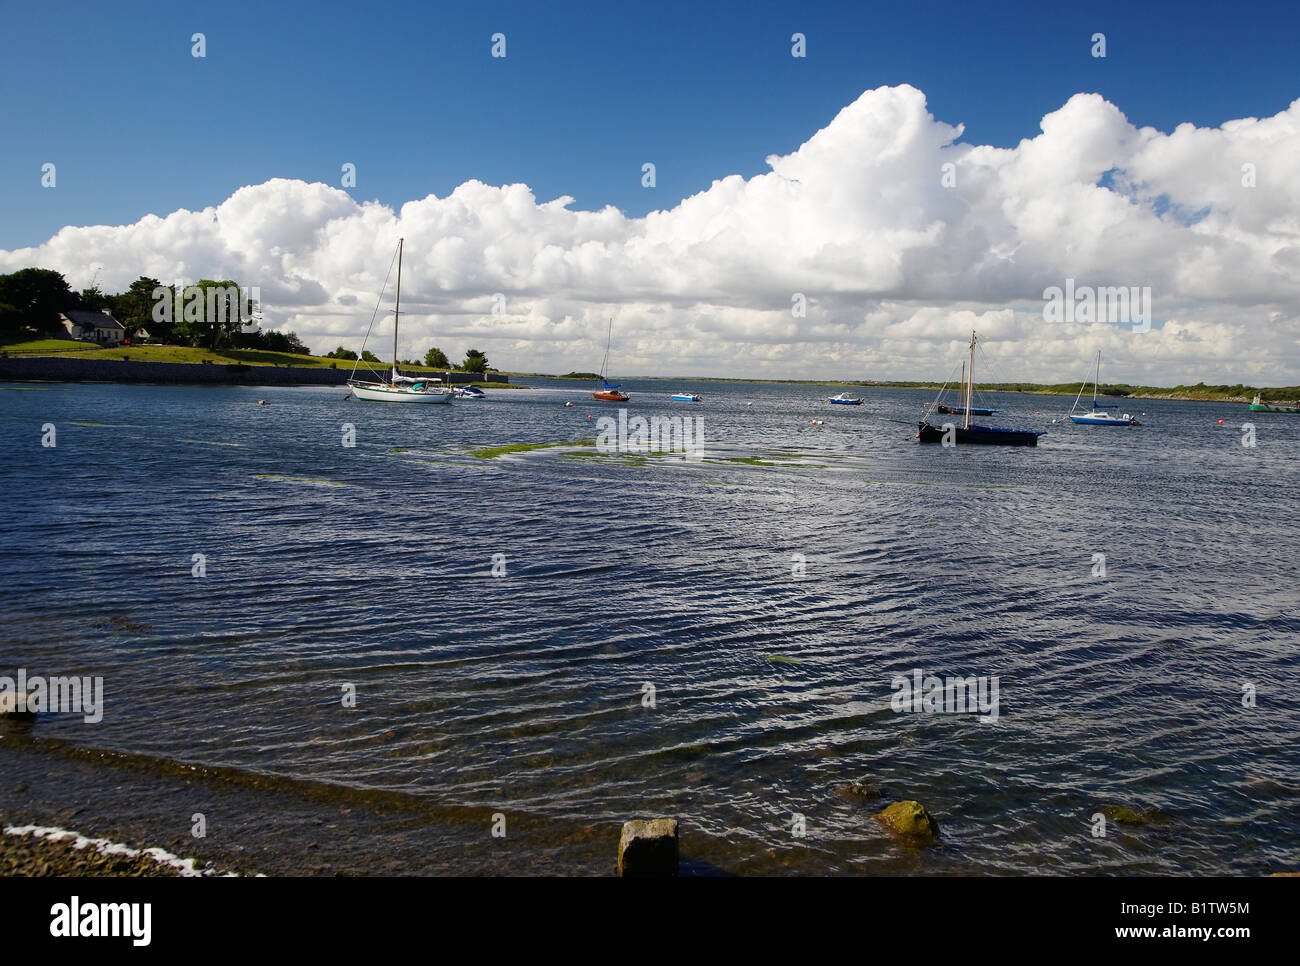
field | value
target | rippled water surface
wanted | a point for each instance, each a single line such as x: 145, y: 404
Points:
x: 526, y: 694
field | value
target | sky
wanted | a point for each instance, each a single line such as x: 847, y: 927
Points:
x: 777, y: 178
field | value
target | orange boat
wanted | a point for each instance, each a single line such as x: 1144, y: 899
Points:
x: 605, y: 391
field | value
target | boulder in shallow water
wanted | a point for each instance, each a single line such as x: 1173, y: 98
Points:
x: 648, y: 848
x: 858, y: 791
x: 910, y: 821
x: 1125, y: 815
x: 10, y: 705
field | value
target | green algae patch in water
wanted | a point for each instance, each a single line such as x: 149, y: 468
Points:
x: 606, y: 458
x: 782, y: 659
x: 492, y: 452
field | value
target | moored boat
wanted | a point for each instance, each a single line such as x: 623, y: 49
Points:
x: 610, y: 394
x: 1258, y: 405
x: 844, y: 399
x: 1099, y: 415
x: 950, y: 433
x: 964, y: 411
x: 399, y: 388
x: 984, y: 435
x: 469, y: 392
x: 604, y: 390
x: 687, y: 397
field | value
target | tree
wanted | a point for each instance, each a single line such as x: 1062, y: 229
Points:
x: 283, y: 342
x: 435, y: 358
x: 92, y: 299
x: 33, y: 298
x: 210, y: 313
x: 368, y: 356
x: 134, y: 308
x: 342, y: 353
x: 475, y: 361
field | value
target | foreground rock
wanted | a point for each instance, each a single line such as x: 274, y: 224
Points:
x: 910, y: 822
x: 858, y: 791
x: 648, y: 848
x: 9, y: 708
x: 1125, y: 815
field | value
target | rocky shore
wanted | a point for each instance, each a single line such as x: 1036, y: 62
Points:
x: 36, y: 851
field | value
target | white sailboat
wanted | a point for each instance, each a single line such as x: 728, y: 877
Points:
x: 1099, y: 415
x: 399, y: 388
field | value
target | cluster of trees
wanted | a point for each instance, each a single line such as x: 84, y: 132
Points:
x: 475, y: 361
x: 210, y: 313
x: 33, y: 297
x: 350, y: 356
x: 435, y: 358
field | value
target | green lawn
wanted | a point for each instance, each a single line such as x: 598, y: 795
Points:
x: 67, y: 349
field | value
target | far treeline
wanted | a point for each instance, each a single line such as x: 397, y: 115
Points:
x: 209, y: 314
x: 1121, y: 389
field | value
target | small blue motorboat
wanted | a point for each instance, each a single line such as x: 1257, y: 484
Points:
x: 687, y: 397
x: 844, y: 399
x: 470, y: 392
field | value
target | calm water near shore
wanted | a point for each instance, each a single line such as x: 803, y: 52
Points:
x: 524, y: 694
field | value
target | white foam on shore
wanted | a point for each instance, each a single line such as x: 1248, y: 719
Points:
x: 184, y: 867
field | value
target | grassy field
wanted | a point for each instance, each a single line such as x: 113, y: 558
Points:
x: 67, y: 349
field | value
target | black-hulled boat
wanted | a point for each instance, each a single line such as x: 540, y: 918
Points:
x: 969, y: 433
x: 988, y: 435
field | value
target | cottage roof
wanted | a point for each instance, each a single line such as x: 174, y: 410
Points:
x: 89, y: 319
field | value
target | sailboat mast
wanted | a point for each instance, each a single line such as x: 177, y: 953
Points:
x: 609, y: 335
x: 970, y: 376
x: 397, y: 304
x: 1094, y: 380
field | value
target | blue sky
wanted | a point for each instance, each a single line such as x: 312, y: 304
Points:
x: 586, y: 94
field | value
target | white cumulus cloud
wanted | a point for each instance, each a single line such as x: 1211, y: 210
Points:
x: 900, y: 236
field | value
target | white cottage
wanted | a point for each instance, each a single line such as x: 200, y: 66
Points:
x: 89, y: 326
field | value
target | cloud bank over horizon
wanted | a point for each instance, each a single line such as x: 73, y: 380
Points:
x: 901, y: 237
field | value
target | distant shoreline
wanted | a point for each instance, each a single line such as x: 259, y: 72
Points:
x: 1283, y: 394
x: 182, y: 365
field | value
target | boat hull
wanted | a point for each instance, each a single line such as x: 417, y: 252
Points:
x: 686, y: 397
x: 1102, y: 421
x: 386, y: 394
x: 979, y: 435
x: 611, y: 396
x: 845, y: 402
x: 1273, y: 409
x: 952, y: 411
